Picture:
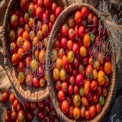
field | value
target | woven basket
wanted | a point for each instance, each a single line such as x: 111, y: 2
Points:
x: 31, y: 94
x: 53, y: 94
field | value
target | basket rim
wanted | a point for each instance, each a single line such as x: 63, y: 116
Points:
x: 28, y: 95
x: 52, y: 92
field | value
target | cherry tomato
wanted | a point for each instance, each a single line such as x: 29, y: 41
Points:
x: 53, y: 7
x: 87, y: 114
x: 84, y: 101
x: 71, y: 34
x: 83, y: 51
x: 86, y: 40
x: 82, y: 110
x: 69, y: 44
x: 39, y: 12
x: 64, y: 30
x: 81, y: 91
x: 92, y: 111
x: 63, y: 74
x: 65, y: 87
x: 20, y: 41
x: 15, y: 59
x: 101, y: 77
x: 70, y: 56
x: 12, y: 35
x: 21, y: 77
x: 58, y: 11
x: 76, y: 113
x: 70, y: 22
x: 90, y: 18
x: 13, y: 47
x: 76, y: 100
x: 26, y: 46
x: 77, y: 17
x: 86, y: 87
x: 81, y: 69
x: 81, y: 31
x: 5, y: 97
x: 12, y: 97
x: 42, y: 55
x: 94, y: 74
x: 107, y: 68
x: 20, y: 53
x: 98, y: 108
x: 31, y: 9
x: 101, y: 100
x: 56, y: 73
x: 14, y: 20
x: 84, y: 12
x: 89, y: 71
x: 59, y: 63
x: 65, y: 106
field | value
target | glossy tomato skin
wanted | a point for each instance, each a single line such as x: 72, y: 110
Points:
x: 69, y: 44
x: 81, y: 31
x: 53, y: 7
x: 64, y: 87
x: 89, y: 71
x: 70, y: 89
x: 71, y: 34
x: 65, y: 61
x: 78, y: 17
x: 75, y: 48
x: 64, y: 30
x: 58, y: 11
x: 92, y: 111
x: 61, y: 95
x: 79, y: 79
x: 63, y: 42
x: 39, y: 12
x: 65, y: 106
x: 76, y: 89
x: 15, y: 59
x: 61, y: 53
x: 84, y: 12
x: 94, y: 85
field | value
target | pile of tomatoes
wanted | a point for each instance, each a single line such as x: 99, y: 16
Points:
x: 15, y: 111
x: 81, y: 79
x: 30, y: 26
x: 28, y: 111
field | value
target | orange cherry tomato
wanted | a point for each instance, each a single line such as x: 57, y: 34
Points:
x: 25, y: 35
x: 107, y: 68
x: 101, y: 77
x: 42, y: 55
x: 86, y: 40
x: 45, y: 29
x: 83, y: 110
x: 76, y: 113
x: 87, y: 87
x: 96, y: 65
x: 94, y: 74
x: 83, y: 51
x: 84, y: 101
x: 12, y: 97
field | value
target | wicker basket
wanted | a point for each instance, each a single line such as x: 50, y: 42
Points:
x: 31, y: 94
x: 51, y: 86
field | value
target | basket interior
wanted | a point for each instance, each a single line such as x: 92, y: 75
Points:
x: 61, y: 19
